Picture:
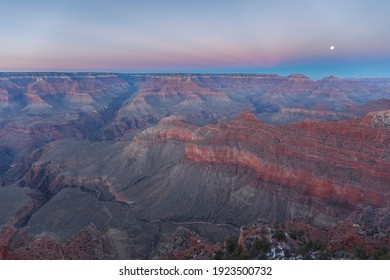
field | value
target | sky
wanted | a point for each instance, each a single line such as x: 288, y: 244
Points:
x: 197, y: 36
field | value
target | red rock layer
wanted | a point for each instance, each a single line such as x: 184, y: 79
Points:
x: 344, y: 162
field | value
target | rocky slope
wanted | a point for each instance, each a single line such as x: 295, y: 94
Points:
x: 296, y: 240
x: 322, y: 165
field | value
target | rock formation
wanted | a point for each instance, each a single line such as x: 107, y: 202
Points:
x: 160, y: 166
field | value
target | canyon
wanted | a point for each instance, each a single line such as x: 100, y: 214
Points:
x: 157, y: 166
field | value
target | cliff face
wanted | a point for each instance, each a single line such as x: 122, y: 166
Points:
x: 322, y: 171
x: 343, y: 162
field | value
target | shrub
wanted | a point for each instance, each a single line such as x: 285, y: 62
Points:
x: 381, y: 254
x: 360, y: 252
x: 296, y: 234
x: 279, y: 235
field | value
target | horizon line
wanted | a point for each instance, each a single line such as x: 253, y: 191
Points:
x: 186, y: 73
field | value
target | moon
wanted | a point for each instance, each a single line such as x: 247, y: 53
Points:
x: 331, y: 48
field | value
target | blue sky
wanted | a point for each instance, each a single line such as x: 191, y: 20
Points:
x: 242, y: 36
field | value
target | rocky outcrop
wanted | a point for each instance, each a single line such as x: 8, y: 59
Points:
x: 339, y: 167
x: 86, y: 245
x: 297, y: 240
x: 316, y: 159
x: 35, y: 101
x: 78, y: 98
x: 378, y: 119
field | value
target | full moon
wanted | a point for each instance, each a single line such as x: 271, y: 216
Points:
x: 331, y: 48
